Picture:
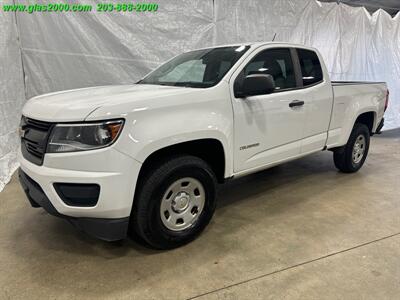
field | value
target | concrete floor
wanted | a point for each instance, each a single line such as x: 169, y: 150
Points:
x: 298, y: 230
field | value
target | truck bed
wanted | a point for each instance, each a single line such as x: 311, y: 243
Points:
x: 349, y: 97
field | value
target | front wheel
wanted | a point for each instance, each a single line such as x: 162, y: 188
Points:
x: 175, y: 202
x: 351, y: 157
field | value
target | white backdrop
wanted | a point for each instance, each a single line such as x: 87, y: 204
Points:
x: 71, y: 50
x: 12, y: 95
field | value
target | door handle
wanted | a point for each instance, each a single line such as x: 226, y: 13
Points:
x: 295, y: 103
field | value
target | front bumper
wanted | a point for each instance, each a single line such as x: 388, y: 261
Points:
x: 105, y: 229
x: 114, y: 172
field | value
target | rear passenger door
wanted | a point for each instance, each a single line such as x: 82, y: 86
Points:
x: 318, y: 100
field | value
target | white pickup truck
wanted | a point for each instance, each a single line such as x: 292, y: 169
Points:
x: 145, y: 158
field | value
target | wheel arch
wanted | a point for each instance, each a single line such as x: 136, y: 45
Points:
x: 367, y: 118
x: 211, y: 150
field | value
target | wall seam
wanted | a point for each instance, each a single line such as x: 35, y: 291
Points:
x: 21, y: 55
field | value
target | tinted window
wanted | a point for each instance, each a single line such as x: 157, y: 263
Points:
x: 275, y: 62
x: 310, y: 67
x: 200, y: 68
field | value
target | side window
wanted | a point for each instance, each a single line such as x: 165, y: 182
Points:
x: 275, y: 62
x: 310, y: 67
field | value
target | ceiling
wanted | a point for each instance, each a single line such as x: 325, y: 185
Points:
x: 391, y: 6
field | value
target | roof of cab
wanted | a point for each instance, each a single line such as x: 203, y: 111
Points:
x: 259, y: 44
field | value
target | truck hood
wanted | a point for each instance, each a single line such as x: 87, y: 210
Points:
x: 76, y: 105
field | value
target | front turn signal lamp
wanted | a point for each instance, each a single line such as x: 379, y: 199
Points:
x: 83, y: 136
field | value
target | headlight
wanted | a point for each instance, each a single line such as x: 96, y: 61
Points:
x: 85, y: 136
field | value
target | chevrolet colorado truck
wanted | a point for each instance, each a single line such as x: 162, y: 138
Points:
x: 145, y: 159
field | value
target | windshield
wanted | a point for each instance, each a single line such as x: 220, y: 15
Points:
x: 198, y: 69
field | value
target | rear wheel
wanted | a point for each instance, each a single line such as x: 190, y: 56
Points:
x: 175, y: 202
x: 351, y: 157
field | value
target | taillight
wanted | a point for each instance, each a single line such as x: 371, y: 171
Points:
x: 387, y: 100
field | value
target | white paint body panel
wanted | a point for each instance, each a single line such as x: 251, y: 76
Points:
x: 283, y: 133
x: 160, y: 116
x: 350, y: 101
x: 115, y: 173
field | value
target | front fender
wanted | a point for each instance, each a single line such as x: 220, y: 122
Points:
x: 171, y: 118
x: 146, y: 132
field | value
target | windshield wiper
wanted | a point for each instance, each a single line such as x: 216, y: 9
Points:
x: 157, y: 83
x: 194, y: 84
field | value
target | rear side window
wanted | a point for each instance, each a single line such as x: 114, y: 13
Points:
x: 310, y: 67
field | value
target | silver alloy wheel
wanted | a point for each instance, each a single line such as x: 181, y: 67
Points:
x: 359, y: 149
x: 182, y: 204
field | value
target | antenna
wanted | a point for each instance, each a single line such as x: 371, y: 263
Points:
x: 273, y: 39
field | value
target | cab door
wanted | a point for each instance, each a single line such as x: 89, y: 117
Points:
x: 268, y: 128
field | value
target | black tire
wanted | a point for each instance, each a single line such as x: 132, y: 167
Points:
x: 343, y: 157
x: 146, y: 216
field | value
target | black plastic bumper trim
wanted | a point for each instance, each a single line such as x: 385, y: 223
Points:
x: 380, y: 126
x: 78, y: 194
x: 104, y: 229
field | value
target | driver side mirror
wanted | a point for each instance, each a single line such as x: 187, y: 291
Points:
x: 255, y: 84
